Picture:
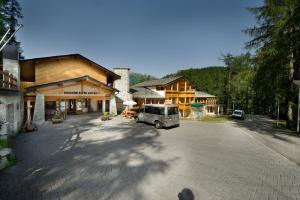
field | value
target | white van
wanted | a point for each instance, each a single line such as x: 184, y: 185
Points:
x: 161, y: 115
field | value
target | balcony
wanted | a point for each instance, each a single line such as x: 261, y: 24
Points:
x: 181, y: 91
x: 8, y: 81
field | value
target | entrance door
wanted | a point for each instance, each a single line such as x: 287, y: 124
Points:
x: 107, y: 106
x: 99, y: 103
x: 72, y: 105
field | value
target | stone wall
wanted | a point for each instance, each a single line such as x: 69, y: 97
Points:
x: 39, y: 110
x: 11, y: 111
x: 112, y: 105
x: 123, y: 86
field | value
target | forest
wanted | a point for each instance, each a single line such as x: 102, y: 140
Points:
x: 260, y: 82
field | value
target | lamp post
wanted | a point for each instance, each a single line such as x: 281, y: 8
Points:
x: 277, y: 105
x: 297, y: 82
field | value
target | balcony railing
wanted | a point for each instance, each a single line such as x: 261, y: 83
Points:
x: 7, y: 81
x: 188, y: 90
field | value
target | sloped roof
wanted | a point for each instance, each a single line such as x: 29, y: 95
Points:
x: 140, y: 92
x: 111, y: 73
x: 203, y: 94
x: 157, y: 82
x: 82, y: 78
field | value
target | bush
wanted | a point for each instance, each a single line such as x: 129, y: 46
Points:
x: 3, y: 143
x: 105, y: 116
x: 57, y: 115
x: 106, y: 113
x: 12, y: 160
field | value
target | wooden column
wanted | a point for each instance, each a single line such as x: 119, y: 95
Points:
x: 28, y: 113
x: 103, y: 105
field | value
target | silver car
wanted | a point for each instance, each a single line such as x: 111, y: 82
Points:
x: 161, y: 115
x: 238, y: 114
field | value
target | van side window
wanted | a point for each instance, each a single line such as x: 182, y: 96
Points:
x: 148, y: 109
x: 158, y: 110
x: 172, y: 111
x: 155, y: 110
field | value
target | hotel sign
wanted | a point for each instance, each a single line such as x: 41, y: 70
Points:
x: 80, y: 92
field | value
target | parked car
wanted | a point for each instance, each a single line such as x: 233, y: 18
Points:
x: 238, y: 114
x: 161, y: 115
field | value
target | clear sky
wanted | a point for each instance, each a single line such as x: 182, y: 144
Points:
x: 149, y: 36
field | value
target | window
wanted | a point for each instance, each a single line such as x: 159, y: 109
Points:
x: 160, y: 88
x: 181, y: 100
x: 174, y: 100
x: 51, y: 105
x: 155, y: 110
x: 148, y: 109
x: 172, y: 111
x: 187, y: 100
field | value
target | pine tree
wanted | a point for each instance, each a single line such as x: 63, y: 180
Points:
x: 2, y: 27
x: 12, y: 13
x: 276, y: 36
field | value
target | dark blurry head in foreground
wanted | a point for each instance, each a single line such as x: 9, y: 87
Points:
x: 186, y: 194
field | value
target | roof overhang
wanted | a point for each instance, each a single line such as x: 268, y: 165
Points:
x: 82, y: 78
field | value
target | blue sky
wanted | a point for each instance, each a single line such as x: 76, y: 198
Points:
x: 149, y: 36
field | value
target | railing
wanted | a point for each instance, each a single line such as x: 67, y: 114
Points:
x: 182, y: 91
x: 7, y: 80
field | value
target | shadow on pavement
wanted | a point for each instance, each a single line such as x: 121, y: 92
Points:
x: 59, y: 162
x: 264, y: 125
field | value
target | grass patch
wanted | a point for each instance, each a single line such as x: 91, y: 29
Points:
x: 281, y: 125
x: 12, y: 160
x: 216, y: 119
x: 4, y: 144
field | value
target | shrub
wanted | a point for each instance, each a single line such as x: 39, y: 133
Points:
x: 106, y: 113
x: 3, y: 143
x: 57, y: 115
x: 105, y: 116
x: 12, y: 160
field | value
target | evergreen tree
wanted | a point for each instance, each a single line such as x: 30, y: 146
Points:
x: 11, y: 12
x: 277, y: 40
x: 2, y: 27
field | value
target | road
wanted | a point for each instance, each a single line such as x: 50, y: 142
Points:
x: 84, y: 158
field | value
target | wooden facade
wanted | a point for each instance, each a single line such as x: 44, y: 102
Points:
x: 70, y: 83
x: 182, y: 93
x: 177, y: 91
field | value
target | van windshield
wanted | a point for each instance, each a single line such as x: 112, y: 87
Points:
x: 172, y: 111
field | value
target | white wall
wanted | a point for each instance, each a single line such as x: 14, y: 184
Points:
x: 16, y: 104
x: 94, y: 105
x: 161, y: 92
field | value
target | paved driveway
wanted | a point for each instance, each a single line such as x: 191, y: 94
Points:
x: 84, y: 158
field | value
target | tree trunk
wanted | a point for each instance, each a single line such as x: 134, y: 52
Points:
x: 291, y: 70
x: 228, y: 92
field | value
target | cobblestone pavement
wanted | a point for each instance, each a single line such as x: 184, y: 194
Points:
x: 84, y: 158
x: 284, y: 142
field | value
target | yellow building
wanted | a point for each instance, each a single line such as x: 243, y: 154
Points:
x: 70, y: 83
x: 176, y: 90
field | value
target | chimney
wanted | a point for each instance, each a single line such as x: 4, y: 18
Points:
x: 122, y: 84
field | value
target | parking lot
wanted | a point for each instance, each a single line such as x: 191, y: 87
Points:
x: 84, y: 158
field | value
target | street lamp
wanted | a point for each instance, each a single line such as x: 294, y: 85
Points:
x: 297, y: 82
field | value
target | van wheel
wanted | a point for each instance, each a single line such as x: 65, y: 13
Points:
x: 136, y: 119
x: 157, y: 124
